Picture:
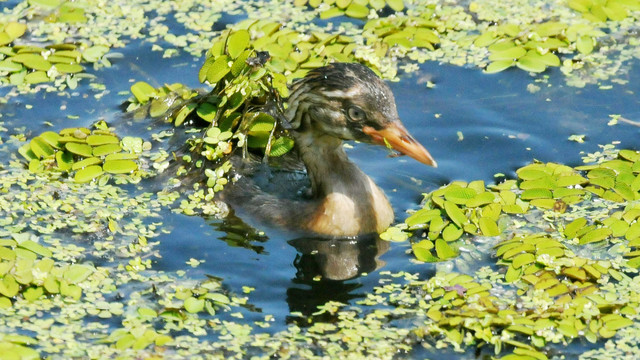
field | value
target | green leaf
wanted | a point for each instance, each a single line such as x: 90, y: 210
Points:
x: 512, y: 54
x: 595, y: 235
x: 455, y: 214
x: 550, y: 28
x: 36, y: 77
x: 106, y: 149
x: 36, y: 248
x: 523, y: 259
x: 207, y: 111
x: 422, y: 251
x: 87, y: 174
x: 26, y: 152
x: 69, y: 68
x: 86, y: 162
x: 342, y: 4
x: 616, y: 11
x: 202, y: 73
x: 580, y: 5
x: 77, y: 273
x: 261, y: 123
x: 331, y: 13
x: 32, y: 61
x: 488, y: 227
x: 9, y: 287
x: 120, y: 166
x: 46, y: 3
x: 94, y: 53
x: 5, y: 38
x: 485, y: 39
x: 218, y: 69
x: 281, y: 146
x: 451, y: 232
x: 584, y: 44
x: 422, y: 216
x: 237, y: 42
x: 51, y: 138
x: 95, y: 140
x: 616, y: 322
x: 10, y: 66
x: 121, y: 156
x: 529, y: 194
x: 397, y: 5
x: 143, y: 91
x: 357, y: 11
x: 40, y: 148
x: 83, y: 150
x: 498, y: 66
x: 458, y: 195
x: 33, y: 293
x: 443, y: 250
x: 183, y: 113
x: 482, y: 198
x: 240, y: 63
x: 15, y: 30
x: 193, y: 305
x: 531, y: 64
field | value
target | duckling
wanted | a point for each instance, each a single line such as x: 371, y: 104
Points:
x: 331, y: 104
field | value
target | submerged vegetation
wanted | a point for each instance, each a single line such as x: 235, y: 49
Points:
x: 79, y: 233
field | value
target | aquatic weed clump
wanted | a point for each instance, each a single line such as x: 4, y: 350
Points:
x: 563, y: 239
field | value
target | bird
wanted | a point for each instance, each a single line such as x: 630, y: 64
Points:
x: 329, y: 105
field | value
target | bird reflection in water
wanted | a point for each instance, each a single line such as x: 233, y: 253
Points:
x: 337, y: 259
x: 324, y: 267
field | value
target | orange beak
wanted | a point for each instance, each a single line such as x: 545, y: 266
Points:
x: 396, y: 136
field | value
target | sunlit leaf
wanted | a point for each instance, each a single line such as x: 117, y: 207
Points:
x: 237, y: 42
x: 89, y: 173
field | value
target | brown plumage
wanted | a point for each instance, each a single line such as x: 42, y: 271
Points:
x: 331, y: 104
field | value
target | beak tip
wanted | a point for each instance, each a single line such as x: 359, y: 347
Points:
x: 397, y: 137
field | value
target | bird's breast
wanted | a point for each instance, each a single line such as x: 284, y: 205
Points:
x: 349, y: 214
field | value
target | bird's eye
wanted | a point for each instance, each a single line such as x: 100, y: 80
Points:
x: 355, y: 113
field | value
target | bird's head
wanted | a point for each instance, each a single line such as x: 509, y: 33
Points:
x: 350, y: 102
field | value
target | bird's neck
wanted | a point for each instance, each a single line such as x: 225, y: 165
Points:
x: 327, y: 164
x: 349, y: 201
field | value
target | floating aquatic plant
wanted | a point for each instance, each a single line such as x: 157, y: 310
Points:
x: 28, y: 64
x: 353, y: 8
x: 601, y: 11
x: 86, y: 153
x: 584, y: 205
x: 534, y: 48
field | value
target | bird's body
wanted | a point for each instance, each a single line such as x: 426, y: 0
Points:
x: 331, y: 104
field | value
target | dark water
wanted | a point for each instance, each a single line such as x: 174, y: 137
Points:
x: 503, y: 127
